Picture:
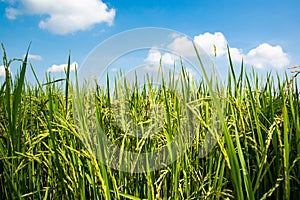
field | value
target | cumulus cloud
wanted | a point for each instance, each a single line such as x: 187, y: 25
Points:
x: 182, y: 46
x: 215, y: 45
x: 207, y: 43
x: 63, y: 17
x: 167, y: 59
x: 154, y: 57
x: 264, y: 55
x: 236, y: 54
x: 267, y: 55
x: 34, y: 57
x: 2, y: 70
x: 212, y: 43
x: 62, y: 67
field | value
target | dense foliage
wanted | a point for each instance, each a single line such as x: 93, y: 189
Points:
x: 42, y: 155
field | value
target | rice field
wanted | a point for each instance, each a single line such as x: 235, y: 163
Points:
x: 43, y: 155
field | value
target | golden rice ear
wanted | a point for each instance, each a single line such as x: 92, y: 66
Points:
x: 296, y: 73
x: 295, y: 69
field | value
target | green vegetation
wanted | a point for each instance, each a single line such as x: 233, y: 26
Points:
x: 257, y: 156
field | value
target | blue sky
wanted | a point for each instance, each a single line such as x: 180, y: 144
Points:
x: 263, y: 32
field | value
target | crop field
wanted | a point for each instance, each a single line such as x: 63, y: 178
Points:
x: 45, y: 155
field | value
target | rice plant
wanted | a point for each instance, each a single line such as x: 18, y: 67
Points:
x: 44, y: 156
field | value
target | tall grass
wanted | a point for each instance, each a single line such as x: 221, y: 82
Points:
x: 43, y: 156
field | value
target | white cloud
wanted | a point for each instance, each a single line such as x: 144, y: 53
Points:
x: 34, y: 57
x: 169, y: 59
x: 209, y: 42
x: 11, y: 13
x: 2, y: 70
x: 264, y: 55
x: 236, y: 54
x: 182, y: 46
x: 154, y: 56
x: 62, y: 67
x: 66, y: 16
x: 114, y: 70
